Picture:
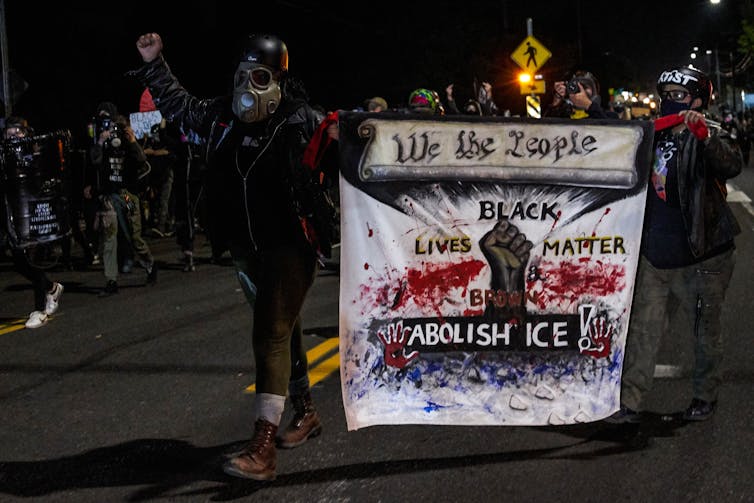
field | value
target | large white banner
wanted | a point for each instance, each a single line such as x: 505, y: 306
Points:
x: 487, y: 267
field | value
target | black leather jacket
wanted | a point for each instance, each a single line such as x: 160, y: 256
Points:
x: 260, y: 199
x: 703, y: 168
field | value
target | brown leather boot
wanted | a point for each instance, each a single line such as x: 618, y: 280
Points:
x: 258, y: 460
x: 304, y: 425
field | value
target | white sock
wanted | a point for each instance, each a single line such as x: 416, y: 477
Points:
x: 269, y: 407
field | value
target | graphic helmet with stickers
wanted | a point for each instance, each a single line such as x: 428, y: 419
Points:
x: 692, y: 79
x: 266, y: 50
x: 425, y: 101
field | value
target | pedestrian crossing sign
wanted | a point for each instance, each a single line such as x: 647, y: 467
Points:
x: 531, y: 54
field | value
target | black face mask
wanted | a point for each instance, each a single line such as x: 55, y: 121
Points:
x: 670, y: 107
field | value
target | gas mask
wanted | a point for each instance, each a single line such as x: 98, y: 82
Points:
x: 256, y: 93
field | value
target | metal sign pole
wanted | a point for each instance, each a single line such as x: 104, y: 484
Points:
x: 6, y: 71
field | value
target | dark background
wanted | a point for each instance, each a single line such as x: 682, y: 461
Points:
x: 74, y: 55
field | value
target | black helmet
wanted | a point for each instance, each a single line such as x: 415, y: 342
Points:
x: 265, y: 50
x: 694, y: 80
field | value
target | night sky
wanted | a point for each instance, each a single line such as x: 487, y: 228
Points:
x: 73, y: 55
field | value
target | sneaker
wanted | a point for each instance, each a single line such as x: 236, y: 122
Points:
x: 188, y: 263
x: 699, y: 410
x: 36, y: 319
x: 624, y: 415
x: 152, y: 274
x: 53, y: 298
x: 128, y: 266
x: 111, y: 288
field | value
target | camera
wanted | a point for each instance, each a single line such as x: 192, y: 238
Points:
x: 116, y: 132
x: 115, y: 135
x: 572, y: 87
x: 587, y: 81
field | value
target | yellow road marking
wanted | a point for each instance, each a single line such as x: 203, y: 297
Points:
x: 319, y: 350
x: 6, y: 328
x: 324, y: 369
x: 321, y: 370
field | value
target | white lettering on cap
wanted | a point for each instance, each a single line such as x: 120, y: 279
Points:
x: 676, y: 77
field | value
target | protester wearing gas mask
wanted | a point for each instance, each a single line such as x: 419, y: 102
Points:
x: 578, y: 97
x: 265, y: 208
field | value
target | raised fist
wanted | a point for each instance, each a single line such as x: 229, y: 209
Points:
x: 149, y: 46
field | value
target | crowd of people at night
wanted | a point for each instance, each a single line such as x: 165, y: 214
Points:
x: 233, y: 168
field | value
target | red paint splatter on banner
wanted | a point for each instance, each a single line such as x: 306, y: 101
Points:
x: 428, y: 286
x: 562, y: 284
x: 594, y: 231
x: 370, y: 231
x: 366, y: 265
x: 555, y: 222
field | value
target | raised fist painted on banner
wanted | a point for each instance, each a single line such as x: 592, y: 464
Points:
x: 507, y: 251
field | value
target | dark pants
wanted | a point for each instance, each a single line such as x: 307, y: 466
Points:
x: 276, y: 282
x: 36, y: 276
x: 183, y: 210
x: 699, y: 290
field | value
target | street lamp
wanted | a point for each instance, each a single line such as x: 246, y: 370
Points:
x: 714, y: 2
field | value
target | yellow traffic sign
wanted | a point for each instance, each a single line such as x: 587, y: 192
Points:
x: 531, y: 54
x: 533, y: 107
x: 533, y: 87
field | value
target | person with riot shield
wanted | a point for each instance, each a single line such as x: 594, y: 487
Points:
x: 273, y: 218
x: 121, y: 164
x: 33, y: 209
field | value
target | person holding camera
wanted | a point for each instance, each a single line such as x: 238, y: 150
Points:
x: 578, y: 97
x: 120, y: 164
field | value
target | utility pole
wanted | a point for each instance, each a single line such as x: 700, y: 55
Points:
x: 6, y: 70
x: 732, y: 79
x: 717, y: 72
x: 578, y: 31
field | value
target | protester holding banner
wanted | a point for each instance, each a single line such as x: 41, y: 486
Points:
x: 688, y: 250
x: 255, y: 143
x: 46, y: 293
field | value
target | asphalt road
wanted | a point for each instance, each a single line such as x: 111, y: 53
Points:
x: 135, y: 398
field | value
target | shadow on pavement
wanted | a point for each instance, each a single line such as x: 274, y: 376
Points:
x: 168, y: 467
x: 163, y: 464
x: 625, y: 437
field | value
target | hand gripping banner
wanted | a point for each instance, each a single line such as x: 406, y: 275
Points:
x: 487, y: 267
